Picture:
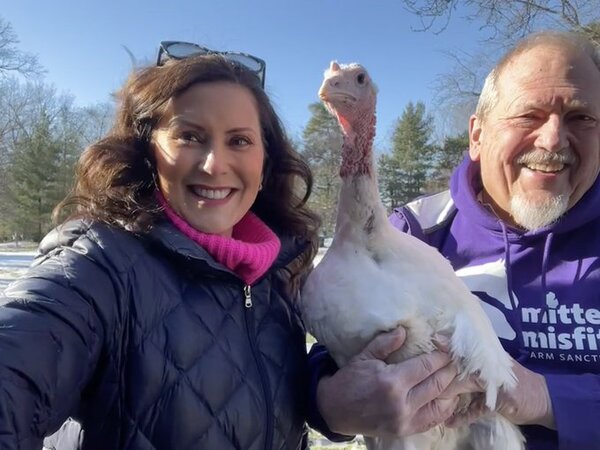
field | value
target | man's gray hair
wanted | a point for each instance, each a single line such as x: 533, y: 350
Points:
x: 568, y: 40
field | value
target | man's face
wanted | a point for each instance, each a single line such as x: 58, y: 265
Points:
x: 539, y: 146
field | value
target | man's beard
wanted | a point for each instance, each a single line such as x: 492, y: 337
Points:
x: 533, y: 215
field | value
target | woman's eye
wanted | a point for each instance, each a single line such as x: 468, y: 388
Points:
x: 240, y: 141
x: 189, y: 138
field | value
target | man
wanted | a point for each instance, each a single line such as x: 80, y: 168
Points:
x: 520, y: 225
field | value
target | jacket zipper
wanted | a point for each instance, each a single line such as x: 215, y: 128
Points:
x: 264, y: 380
x: 247, y: 296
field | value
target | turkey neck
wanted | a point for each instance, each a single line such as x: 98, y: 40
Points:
x: 359, y: 209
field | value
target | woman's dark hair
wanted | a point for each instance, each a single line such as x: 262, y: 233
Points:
x: 115, y: 177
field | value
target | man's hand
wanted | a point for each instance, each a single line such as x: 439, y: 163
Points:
x: 370, y: 397
x: 527, y: 404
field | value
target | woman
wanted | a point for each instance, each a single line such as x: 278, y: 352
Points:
x: 161, y: 316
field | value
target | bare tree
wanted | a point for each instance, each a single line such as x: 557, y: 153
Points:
x: 12, y: 59
x: 457, y: 90
x: 502, y: 22
x: 95, y: 121
x: 507, y: 20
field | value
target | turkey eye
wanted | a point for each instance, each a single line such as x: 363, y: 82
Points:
x: 360, y: 78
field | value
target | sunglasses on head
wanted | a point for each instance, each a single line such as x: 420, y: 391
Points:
x: 181, y: 50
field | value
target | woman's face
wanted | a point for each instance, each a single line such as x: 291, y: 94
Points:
x: 209, y: 155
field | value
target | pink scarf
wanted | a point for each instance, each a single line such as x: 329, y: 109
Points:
x: 250, y: 251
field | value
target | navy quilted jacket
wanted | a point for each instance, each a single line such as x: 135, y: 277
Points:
x: 148, y: 343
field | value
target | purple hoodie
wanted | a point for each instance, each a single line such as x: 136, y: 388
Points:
x: 541, y: 290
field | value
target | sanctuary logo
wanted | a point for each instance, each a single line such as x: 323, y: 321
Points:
x: 580, y: 333
x: 555, y: 331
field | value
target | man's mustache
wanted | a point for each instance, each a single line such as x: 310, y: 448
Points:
x: 564, y: 156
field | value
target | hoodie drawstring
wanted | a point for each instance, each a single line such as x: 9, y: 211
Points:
x: 523, y: 354
x: 507, y: 266
x: 545, y: 259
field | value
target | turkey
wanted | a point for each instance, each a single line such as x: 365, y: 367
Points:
x: 374, y: 278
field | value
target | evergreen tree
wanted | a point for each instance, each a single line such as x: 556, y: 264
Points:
x: 448, y: 157
x: 42, y: 135
x: 322, y: 150
x: 36, y: 176
x: 390, y: 180
x: 403, y: 173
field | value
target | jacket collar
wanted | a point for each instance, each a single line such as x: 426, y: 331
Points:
x: 177, y: 243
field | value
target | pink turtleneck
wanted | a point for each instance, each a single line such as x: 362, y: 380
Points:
x: 249, y: 252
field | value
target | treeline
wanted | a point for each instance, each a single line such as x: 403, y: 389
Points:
x: 413, y: 165
x: 42, y: 134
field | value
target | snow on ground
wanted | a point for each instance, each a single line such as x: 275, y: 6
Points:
x: 13, y: 264
x: 319, y: 256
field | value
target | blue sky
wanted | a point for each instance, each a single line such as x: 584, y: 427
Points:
x: 80, y: 44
